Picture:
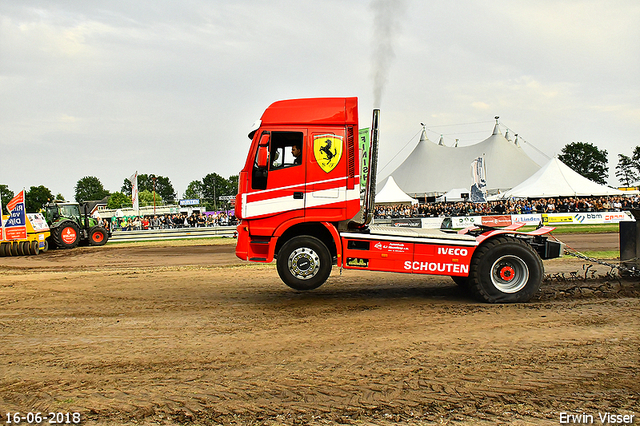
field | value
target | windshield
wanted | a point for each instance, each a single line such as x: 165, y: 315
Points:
x: 69, y: 210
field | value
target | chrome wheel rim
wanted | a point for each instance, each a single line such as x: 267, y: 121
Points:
x: 304, y: 263
x: 509, y: 274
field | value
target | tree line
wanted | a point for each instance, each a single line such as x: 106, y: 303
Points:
x: 151, y: 189
x: 591, y: 162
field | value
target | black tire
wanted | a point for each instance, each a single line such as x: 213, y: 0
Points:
x: 14, y: 249
x: 5, y: 249
x: 462, y: 282
x: 98, y: 236
x: 34, y: 248
x: 24, y: 245
x: 505, y: 270
x: 46, y: 246
x: 63, y: 235
x: 304, y: 263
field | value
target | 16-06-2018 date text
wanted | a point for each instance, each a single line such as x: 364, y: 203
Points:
x: 53, y: 418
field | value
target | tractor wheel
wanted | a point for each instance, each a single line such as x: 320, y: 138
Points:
x: 5, y: 249
x: 66, y: 235
x: 46, y: 246
x: 304, y: 263
x: 505, y: 270
x: 98, y: 236
x: 14, y: 248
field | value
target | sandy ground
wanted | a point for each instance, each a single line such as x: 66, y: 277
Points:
x: 185, y: 333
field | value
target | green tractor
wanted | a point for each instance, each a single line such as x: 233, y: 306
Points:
x: 69, y: 227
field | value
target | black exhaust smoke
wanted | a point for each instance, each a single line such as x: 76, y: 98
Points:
x: 387, y: 19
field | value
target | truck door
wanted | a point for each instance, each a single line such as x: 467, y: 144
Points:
x: 278, y: 186
x: 326, y: 175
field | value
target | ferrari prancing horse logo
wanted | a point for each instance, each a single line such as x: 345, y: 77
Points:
x: 327, y: 150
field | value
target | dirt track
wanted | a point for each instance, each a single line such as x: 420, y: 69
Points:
x: 157, y: 334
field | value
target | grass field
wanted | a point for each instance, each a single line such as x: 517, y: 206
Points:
x: 581, y: 229
x: 587, y: 229
x: 605, y: 254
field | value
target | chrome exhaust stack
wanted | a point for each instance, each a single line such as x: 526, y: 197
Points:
x: 370, y: 191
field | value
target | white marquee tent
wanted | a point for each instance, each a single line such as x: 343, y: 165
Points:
x: 391, y: 194
x: 433, y: 169
x: 555, y: 179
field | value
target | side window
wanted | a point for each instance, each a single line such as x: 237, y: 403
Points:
x: 261, y: 162
x: 286, y: 149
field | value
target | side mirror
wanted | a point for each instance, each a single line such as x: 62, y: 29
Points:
x: 263, y: 157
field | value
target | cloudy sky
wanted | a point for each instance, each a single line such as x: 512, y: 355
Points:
x: 106, y: 88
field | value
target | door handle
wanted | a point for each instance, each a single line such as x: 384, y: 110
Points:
x: 298, y: 195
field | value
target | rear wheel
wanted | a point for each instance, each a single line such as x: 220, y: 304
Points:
x: 66, y: 235
x: 98, y: 236
x: 304, y: 263
x: 505, y: 270
x: 463, y: 282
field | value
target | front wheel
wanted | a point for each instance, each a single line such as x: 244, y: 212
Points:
x: 304, y: 263
x: 505, y: 270
x: 98, y: 236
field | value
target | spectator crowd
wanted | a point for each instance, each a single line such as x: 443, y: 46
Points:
x: 541, y: 205
x: 170, y: 221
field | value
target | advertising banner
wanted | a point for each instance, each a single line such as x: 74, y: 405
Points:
x: 501, y: 220
x: 16, y: 226
x: 532, y: 219
x: 464, y: 221
x: 553, y: 219
x: 364, y: 147
x: 431, y: 222
x: 479, y: 187
x: 527, y: 219
x: 406, y: 223
x: 134, y: 192
x: 557, y: 218
x: 38, y: 222
x: 601, y: 217
x: 39, y: 225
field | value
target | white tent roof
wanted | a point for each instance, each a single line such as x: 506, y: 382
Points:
x: 555, y: 179
x: 454, y: 195
x: 391, y: 194
x: 433, y: 168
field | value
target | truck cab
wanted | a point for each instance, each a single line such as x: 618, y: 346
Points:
x: 299, y: 203
x: 280, y: 193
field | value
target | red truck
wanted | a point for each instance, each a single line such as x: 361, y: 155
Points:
x: 299, y: 202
